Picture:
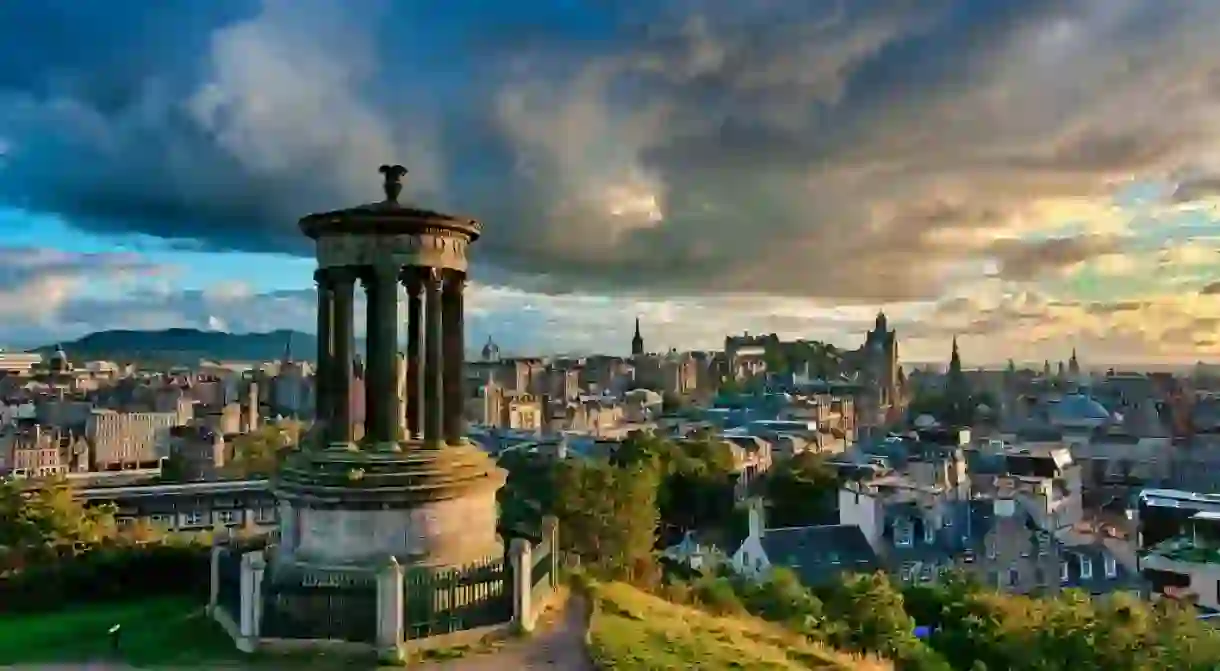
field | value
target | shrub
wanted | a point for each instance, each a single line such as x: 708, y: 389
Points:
x: 109, y: 573
x: 719, y: 595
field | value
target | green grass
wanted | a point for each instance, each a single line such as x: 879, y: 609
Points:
x: 634, y: 630
x: 166, y: 631
x: 156, y: 633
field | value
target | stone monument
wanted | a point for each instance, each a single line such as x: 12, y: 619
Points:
x: 415, y: 490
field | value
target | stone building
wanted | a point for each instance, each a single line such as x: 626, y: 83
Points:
x: 124, y: 440
x: 203, y: 451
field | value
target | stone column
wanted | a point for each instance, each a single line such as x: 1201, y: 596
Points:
x: 433, y: 401
x: 344, y: 285
x: 520, y: 557
x: 380, y: 378
x: 454, y: 346
x: 413, y: 280
x: 390, y: 602
x: 324, y: 409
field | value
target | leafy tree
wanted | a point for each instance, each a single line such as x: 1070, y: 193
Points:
x: 802, y: 491
x: 258, y: 454
x: 529, y: 492
x: 696, y: 478
x: 45, y: 520
x: 872, y: 615
x: 608, y: 514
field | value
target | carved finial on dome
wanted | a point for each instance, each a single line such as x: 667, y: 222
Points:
x: 393, y: 181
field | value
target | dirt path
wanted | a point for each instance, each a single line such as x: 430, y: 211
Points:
x: 555, y: 645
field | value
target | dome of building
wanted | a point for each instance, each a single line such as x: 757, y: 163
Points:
x: 1079, y: 409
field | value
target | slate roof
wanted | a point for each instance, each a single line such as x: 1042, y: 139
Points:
x: 819, y: 554
x: 968, y: 523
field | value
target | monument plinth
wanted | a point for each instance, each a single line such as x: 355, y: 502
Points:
x: 413, y: 487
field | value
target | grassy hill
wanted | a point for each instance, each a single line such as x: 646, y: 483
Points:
x: 631, y: 629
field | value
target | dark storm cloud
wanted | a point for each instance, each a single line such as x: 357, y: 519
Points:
x: 845, y: 150
x: 1022, y: 260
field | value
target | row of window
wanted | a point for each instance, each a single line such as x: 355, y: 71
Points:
x: 1086, y: 571
x: 196, y: 519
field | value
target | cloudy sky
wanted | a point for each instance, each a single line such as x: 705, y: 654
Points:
x: 1031, y: 175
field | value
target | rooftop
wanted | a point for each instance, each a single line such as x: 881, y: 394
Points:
x: 1185, y: 549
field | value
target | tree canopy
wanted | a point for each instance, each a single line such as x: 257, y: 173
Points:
x: 258, y: 454
x: 801, y: 491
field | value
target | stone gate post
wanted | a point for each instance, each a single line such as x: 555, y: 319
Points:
x: 390, y: 602
x: 520, y: 556
x: 252, y: 565
x: 550, y: 536
x: 214, y: 577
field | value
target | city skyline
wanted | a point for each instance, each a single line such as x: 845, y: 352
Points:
x: 1029, y: 177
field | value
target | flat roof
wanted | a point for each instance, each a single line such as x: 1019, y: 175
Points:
x: 211, y: 487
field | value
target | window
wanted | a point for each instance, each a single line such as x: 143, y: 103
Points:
x: 1110, y: 566
x: 1012, y: 577
x: 948, y: 521
x: 192, y: 519
x: 1063, y: 572
x: 226, y: 517
x: 991, y: 553
x: 929, y: 533
x: 902, y: 534
x: 1086, y: 568
x: 264, y: 515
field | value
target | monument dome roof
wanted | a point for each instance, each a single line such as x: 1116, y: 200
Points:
x: 388, y: 216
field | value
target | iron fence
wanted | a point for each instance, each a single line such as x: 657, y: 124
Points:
x: 457, y: 599
x: 339, y: 612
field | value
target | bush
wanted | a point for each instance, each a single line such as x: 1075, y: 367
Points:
x: 109, y: 573
x: 782, y: 598
x: 719, y: 595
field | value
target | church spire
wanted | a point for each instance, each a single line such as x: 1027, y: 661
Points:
x: 955, y: 360
x: 637, y: 341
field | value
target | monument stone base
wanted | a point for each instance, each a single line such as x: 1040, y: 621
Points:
x: 346, y: 510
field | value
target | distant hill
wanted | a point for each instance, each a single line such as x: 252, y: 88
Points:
x: 186, y: 346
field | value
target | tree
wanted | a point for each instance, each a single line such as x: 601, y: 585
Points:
x: 42, y: 520
x: 529, y: 492
x: 802, y: 491
x: 696, y: 477
x: 258, y: 454
x: 608, y: 514
x: 872, y: 615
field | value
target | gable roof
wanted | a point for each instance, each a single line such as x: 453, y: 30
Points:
x: 819, y: 553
